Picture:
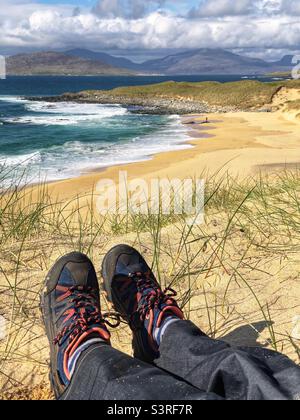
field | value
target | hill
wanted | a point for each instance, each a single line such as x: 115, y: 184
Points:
x: 208, y: 61
x: 184, y: 97
x: 53, y: 63
x: 192, y: 62
x: 84, y: 62
x: 119, y: 62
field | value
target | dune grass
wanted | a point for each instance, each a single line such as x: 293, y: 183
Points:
x: 234, y: 274
x: 244, y: 94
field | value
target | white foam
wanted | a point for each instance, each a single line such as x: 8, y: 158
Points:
x: 73, y: 108
x: 75, y: 157
x: 20, y: 160
x: 59, y: 120
x: 66, y: 113
x: 44, y: 120
x: 12, y: 99
x: 97, y: 155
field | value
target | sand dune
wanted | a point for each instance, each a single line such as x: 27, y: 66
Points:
x: 241, y: 144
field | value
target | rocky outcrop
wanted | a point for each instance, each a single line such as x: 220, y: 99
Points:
x: 138, y: 104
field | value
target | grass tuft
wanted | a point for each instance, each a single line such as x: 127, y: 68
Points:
x: 236, y: 275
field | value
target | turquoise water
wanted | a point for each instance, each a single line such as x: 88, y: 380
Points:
x: 63, y: 140
x: 58, y: 141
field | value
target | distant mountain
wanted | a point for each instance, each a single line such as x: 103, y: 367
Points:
x: 193, y: 62
x: 208, y: 61
x: 105, y: 58
x: 286, y: 61
x: 53, y: 63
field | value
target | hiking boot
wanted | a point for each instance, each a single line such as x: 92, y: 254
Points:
x: 136, y: 295
x: 70, y: 306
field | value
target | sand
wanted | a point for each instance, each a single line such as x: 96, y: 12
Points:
x: 238, y: 143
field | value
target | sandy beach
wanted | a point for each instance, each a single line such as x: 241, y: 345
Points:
x: 170, y: 127
x: 233, y: 261
x: 238, y: 143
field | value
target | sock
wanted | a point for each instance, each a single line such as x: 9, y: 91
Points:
x: 159, y: 332
x: 74, y: 358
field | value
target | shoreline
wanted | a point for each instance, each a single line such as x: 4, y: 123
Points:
x: 182, y: 98
x: 240, y: 144
x: 93, y: 172
x: 188, y: 143
x: 242, y: 262
x: 174, y: 134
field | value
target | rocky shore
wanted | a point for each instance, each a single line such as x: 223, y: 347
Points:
x: 185, y: 97
x: 139, y: 104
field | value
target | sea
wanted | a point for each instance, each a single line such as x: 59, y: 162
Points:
x: 43, y: 141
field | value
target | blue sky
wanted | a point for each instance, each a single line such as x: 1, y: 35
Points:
x: 149, y: 28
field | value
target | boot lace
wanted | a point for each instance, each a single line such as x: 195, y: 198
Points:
x: 153, y: 298
x: 86, y: 313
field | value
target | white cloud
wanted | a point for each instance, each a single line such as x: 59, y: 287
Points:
x: 109, y: 9
x: 221, y: 8
x: 213, y: 8
x: 279, y: 7
x: 125, y: 8
x: 267, y: 7
x: 291, y: 7
x: 16, y: 10
x: 34, y: 26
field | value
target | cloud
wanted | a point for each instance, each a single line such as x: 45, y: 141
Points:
x: 267, y: 7
x: 222, y: 8
x: 132, y: 9
x: 219, y: 8
x: 31, y: 26
x: 290, y: 7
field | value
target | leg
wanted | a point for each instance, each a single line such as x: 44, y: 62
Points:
x: 83, y: 364
x: 234, y: 373
x: 160, y: 336
x: 103, y: 373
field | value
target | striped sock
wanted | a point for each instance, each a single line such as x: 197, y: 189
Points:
x: 74, y: 358
x: 159, y: 332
